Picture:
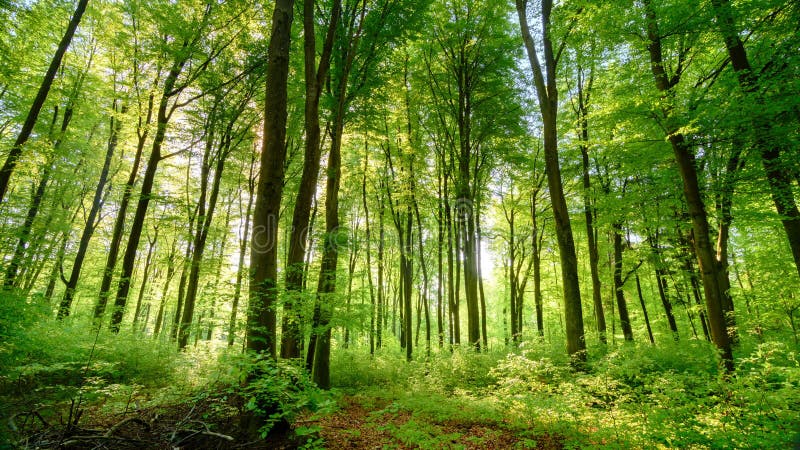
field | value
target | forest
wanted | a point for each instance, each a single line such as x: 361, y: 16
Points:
x: 437, y: 224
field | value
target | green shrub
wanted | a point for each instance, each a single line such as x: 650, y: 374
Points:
x: 275, y: 392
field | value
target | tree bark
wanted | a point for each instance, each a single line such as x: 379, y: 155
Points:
x: 314, y: 79
x: 88, y: 230
x: 619, y: 294
x: 685, y: 159
x: 778, y: 177
x: 547, y: 92
x: 38, y: 101
x: 261, y: 318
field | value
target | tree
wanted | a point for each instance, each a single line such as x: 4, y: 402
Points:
x: 91, y: 219
x: 197, y: 44
x: 261, y: 317
x: 471, y: 53
x: 314, y: 80
x: 38, y: 101
x: 770, y: 147
x: 685, y: 159
x: 545, y: 81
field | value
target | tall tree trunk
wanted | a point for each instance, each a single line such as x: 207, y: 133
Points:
x: 295, y: 267
x: 661, y: 282
x: 137, y: 226
x: 165, y: 290
x: 261, y: 318
x: 452, y: 261
x: 38, y: 195
x: 481, y: 293
x: 644, y: 308
x: 142, y: 131
x: 187, y: 255
x: 439, y: 257
x: 537, y: 236
x: 619, y: 294
x: 777, y: 174
x: 145, y: 278
x: 89, y: 227
x: 725, y: 207
x: 547, y: 92
x: 326, y: 287
x: 691, y: 189
x: 368, y: 250
x: 589, y: 210
x: 512, y: 278
x: 38, y: 101
x: 330, y: 255
x: 240, y: 271
x: 380, y: 316
x: 205, y: 216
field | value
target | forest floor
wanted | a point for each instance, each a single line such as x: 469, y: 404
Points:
x: 358, y: 422
x: 359, y: 425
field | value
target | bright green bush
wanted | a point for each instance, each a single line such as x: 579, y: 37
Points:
x: 275, y: 392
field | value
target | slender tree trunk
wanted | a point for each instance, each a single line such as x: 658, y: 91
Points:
x: 588, y: 212
x: 769, y: 147
x: 240, y: 271
x: 142, y: 131
x: 261, y: 318
x: 380, y: 316
x: 205, y: 215
x: 145, y: 278
x: 38, y: 101
x: 536, y: 242
x: 512, y: 279
x: 439, y: 261
x: 351, y: 269
x: 452, y: 261
x: 482, y: 294
x: 644, y: 309
x: 38, y: 195
x: 423, y: 266
x: 137, y: 225
x: 89, y: 227
x: 661, y: 282
x: 176, y: 317
x: 165, y: 290
x: 330, y: 256
x: 546, y: 89
x: 619, y: 294
x: 691, y: 189
x: 295, y: 267
x: 368, y: 231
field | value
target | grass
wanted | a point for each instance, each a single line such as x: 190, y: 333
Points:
x: 631, y: 396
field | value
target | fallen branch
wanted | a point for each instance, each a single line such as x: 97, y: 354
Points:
x: 78, y: 439
x: 116, y: 427
x: 13, y: 425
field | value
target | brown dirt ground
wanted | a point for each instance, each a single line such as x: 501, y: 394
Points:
x: 209, y: 425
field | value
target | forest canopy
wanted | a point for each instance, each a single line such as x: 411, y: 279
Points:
x: 454, y: 223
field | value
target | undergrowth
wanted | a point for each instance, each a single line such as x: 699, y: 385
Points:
x: 632, y: 396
